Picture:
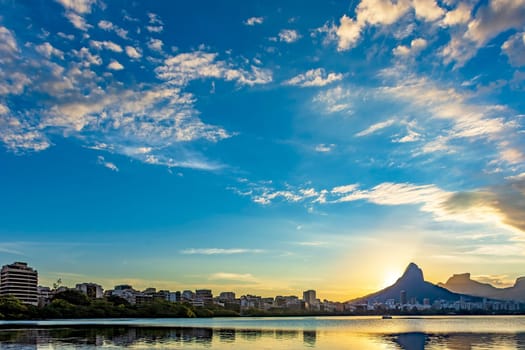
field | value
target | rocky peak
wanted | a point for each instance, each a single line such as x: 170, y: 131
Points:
x: 412, y: 274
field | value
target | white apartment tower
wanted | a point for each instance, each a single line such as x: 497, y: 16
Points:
x: 20, y: 281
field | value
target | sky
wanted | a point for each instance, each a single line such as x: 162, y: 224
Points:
x: 264, y: 147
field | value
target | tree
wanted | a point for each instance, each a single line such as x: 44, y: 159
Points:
x: 11, y: 308
x: 73, y: 296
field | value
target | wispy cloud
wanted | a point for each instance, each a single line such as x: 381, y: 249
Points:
x: 324, y: 148
x: 109, y: 165
x: 314, y: 77
x: 334, y: 100
x: 220, y: 251
x: 376, y: 127
x: 229, y: 276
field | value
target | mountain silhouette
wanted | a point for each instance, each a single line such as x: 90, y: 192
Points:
x: 462, y: 283
x: 414, y: 285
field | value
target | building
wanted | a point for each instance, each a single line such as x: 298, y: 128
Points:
x: 403, y: 297
x: 204, y: 295
x: 44, y: 295
x: 227, y: 297
x: 92, y: 290
x: 309, y: 298
x: 20, y: 281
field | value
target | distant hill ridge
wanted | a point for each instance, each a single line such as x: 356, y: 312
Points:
x: 414, y: 285
x: 462, y: 283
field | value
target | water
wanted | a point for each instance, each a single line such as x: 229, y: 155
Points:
x: 410, y: 333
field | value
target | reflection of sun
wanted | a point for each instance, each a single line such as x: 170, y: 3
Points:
x: 390, y: 277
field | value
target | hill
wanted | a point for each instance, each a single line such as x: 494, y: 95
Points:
x: 413, y: 284
x: 462, y: 283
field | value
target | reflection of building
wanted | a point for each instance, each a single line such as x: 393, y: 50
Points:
x: 92, y: 290
x: 20, y: 281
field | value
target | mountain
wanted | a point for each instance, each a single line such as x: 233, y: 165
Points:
x: 462, y: 283
x: 415, y: 286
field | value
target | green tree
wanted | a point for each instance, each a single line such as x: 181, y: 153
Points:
x: 73, y: 296
x: 11, y: 308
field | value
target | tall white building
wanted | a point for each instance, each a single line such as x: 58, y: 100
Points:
x: 20, y: 281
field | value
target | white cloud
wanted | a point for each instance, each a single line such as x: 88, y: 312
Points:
x: 415, y: 47
x: 324, y: 148
x: 47, y: 50
x: 154, y: 18
x: 428, y: 10
x: 220, y: 251
x: 111, y: 166
x: 155, y: 29
x: 348, y: 33
x: 78, y: 6
x: 334, y: 100
x: 184, y: 67
x: 514, y: 48
x: 512, y: 155
x: 254, y: 20
x: 133, y: 52
x: 314, y: 77
x: 78, y: 21
x: 19, y: 137
x: 108, y: 45
x: 115, y: 65
x: 460, y: 15
x: 3, y: 109
x: 87, y: 58
x: 242, y: 277
x: 108, y: 26
x: 411, y: 136
x: 494, y: 18
x: 467, y: 119
x: 8, y: 45
x: 376, y: 127
x: 344, y: 189
x: 501, y: 206
x: 155, y: 45
x: 289, y: 35
x: 490, y: 20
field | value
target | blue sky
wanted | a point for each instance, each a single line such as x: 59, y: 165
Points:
x: 263, y: 147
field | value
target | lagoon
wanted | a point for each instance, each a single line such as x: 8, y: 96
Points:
x: 412, y: 333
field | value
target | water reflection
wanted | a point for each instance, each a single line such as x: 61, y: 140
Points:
x: 222, y: 338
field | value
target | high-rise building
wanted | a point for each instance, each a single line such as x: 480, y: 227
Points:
x: 20, y: 281
x: 403, y: 297
x: 309, y: 298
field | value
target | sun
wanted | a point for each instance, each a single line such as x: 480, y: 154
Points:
x: 390, y: 277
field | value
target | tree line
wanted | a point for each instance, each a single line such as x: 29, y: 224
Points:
x: 75, y: 304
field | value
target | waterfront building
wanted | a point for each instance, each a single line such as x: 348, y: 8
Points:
x: 227, y: 297
x: 309, y: 298
x: 187, y: 296
x: 92, y: 290
x: 44, y: 295
x: 20, y: 281
x: 204, y: 295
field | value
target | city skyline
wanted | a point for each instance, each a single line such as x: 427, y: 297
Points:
x: 270, y: 147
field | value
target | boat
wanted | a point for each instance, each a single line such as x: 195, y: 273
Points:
x: 386, y: 317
